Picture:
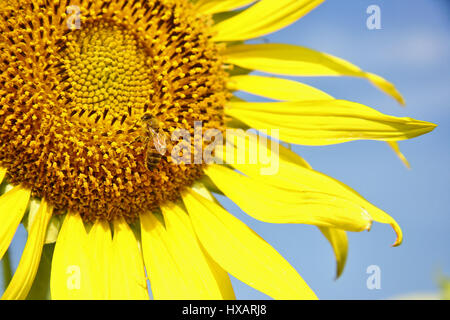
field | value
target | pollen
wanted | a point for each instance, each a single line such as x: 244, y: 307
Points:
x: 72, y: 99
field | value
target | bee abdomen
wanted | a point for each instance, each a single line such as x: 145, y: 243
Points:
x: 152, y: 159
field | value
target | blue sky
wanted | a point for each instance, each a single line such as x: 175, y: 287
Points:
x: 413, y: 51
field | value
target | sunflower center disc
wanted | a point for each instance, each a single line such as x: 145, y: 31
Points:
x: 108, y: 72
x: 73, y: 102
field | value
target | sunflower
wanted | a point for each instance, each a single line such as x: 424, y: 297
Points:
x: 86, y: 85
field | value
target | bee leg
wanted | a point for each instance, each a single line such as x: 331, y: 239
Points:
x: 138, y: 139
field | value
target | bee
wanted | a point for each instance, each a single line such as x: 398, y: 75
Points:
x: 155, y: 140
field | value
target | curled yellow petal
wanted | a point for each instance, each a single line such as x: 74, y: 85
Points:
x: 276, y: 88
x: 12, y: 208
x: 394, y: 145
x: 23, y: 278
x: 291, y: 60
x: 264, y: 17
x: 385, y: 86
x: 382, y: 217
x: 71, y: 277
x: 128, y: 281
x: 268, y: 203
x: 327, y: 122
x: 337, y: 238
x: 216, y: 6
x: 241, y: 252
x: 294, y: 173
x: 339, y: 242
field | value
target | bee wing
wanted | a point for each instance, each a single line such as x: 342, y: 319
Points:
x: 159, y: 142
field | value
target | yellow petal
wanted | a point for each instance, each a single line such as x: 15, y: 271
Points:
x: 70, y: 277
x: 276, y: 88
x: 216, y: 6
x: 285, y: 59
x: 326, y: 122
x: 385, y: 86
x: 99, y: 252
x: 2, y: 174
x: 336, y: 237
x: 164, y: 274
x: 240, y: 144
x: 241, y: 252
x: 53, y: 230
x: 339, y: 243
x: 382, y: 217
x: 222, y: 277
x: 165, y: 266
x: 213, y: 282
x: 294, y: 173
x: 396, y: 148
x: 276, y: 205
x: 23, y: 278
x: 12, y: 208
x: 289, y: 155
x: 128, y: 281
x: 264, y: 17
